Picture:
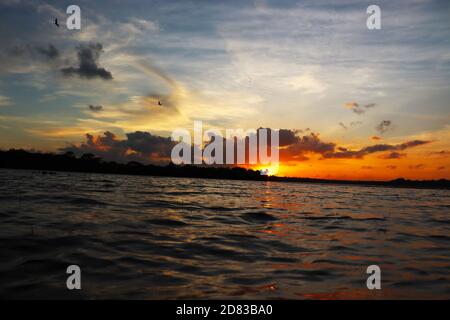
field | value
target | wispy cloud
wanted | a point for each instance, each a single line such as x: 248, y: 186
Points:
x: 357, y: 108
x: 5, y: 101
x: 384, y: 126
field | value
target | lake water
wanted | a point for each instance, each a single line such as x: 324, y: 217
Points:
x: 157, y: 238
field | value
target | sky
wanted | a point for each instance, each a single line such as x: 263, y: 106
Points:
x: 351, y: 103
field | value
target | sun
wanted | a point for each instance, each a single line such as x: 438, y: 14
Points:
x: 268, y: 171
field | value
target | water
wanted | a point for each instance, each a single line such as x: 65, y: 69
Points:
x: 157, y: 238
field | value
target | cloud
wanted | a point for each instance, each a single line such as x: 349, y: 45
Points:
x: 310, y: 143
x: 95, y: 108
x: 376, y: 138
x: 306, y: 83
x: 442, y: 153
x: 166, y: 104
x: 384, y: 126
x: 137, y: 146
x: 31, y: 50
x: 295, y: 146
x: 355, y: 123
x: 138, y: 27
x: 351, y: 125
x: 288, y: 137
x: 392, y: 167
x: 146, y: 143
x: 5, y: 101
x: 357, y: 108
x: 359, y: 154
x: 393, y: 155
x: 441, y: 168
x: 88, y: 56
x: 410, y: 144
x: 50, y: 52
x: 367, y: 167
x: 417, y: 166
x: 169, y: 102
x: 148, y: 148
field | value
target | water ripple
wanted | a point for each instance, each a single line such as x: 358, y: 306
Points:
x: 157, y: 238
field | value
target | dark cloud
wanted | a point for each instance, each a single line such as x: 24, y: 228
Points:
x: 88, y: 56
x: 359, y: 154
x: 296, y: 144
x: 33, y: 50
x: 367, y: 167
x: 384, y: 126
x: 147, y: 148
x: 95, y: 108
x: 148, y: 144
x: 391, y: 167
x: 442, y: 153
x: 410, y: 144
x: 376, y: 138
x: 288, y: 137
x: 50, y: 52
x: 357, y: 108
x: 310, y: 143
x: 417, y: 166
x: 393, y: 155
x: 441, y: 168
x: 343, y: 126
x: 354, y: 106
x: 137, y: 146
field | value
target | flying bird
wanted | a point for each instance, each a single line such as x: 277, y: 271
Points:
x: 56, y: 22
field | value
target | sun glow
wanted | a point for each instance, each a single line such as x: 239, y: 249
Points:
x: 268, y: 171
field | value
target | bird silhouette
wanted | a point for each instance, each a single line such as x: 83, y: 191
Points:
x: 159, y: 103
x: 56, y: 22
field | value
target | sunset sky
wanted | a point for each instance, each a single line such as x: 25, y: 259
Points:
x: 353, y: 103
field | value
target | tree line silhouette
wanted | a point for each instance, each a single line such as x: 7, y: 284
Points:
x: 22, y: 159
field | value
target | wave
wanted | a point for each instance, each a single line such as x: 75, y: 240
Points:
x: 155, y: 237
